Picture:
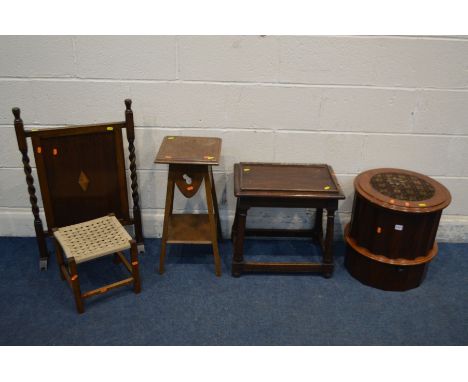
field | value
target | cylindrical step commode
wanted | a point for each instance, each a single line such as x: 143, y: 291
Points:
x: 391, y: 236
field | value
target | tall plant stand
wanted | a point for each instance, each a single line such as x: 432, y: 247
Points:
x: 190, y: 162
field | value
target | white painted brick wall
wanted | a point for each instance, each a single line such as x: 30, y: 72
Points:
x: 353, y: 102
x: 117, y: 57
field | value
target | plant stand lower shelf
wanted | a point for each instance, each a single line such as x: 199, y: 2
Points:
x: 189, y: 229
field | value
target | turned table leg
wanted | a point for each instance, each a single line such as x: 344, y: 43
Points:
x: 238, y: 257
x: 328, y: 253
x: 234, y: 223
x: 318, y: 226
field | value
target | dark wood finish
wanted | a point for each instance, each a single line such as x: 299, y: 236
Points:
x: 98, y: 157
x: 317, y: 232
x: 276, y: 267
x: 279, y: 232
x: 135, y: 264
x: 373, y: 228
x: 38, y: 227
x: 238, y: 235
x: 286, y: 181
x: 383, y: 275
x: 440, y: 199
x: 215, y: 204
x: 129, y: 125
x: 81, y: 171
x: 287, y: 186
x: 396, y: 236
x: 300, y: 178
x: 190, y: 160
x: 188, y: 178
x: 70, y: 274
x: 60, y: 259
x: 75, y: 284
x: 189, y: 150
x: 328, y: 252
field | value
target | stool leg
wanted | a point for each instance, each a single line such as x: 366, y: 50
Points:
x: 213, y: 229
x: 59, y: 256
x: 238, y: 258
x: 318, y: 226
x: 167, y: 216
x: 135, y: 266
x: 328, y: 253
x: 215, y: 204
x: 75, y: 283
x: 234, y: 223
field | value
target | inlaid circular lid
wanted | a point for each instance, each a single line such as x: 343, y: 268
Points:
x: 402, y: 190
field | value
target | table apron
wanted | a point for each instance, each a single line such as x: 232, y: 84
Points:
x: 248, y: 202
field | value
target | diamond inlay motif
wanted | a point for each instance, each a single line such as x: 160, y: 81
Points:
x: 83, y: 181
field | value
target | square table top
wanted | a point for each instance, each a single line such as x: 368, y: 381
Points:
x: 189, y: 150
x: 286, y: 180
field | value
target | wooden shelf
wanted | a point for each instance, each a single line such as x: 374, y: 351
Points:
x: 189, y: 229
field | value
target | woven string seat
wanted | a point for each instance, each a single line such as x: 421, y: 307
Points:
x: 89, y: 240
x: 92, y: 239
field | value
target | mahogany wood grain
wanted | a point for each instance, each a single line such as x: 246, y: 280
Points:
x: 393, y: 227
x: 383, y: 275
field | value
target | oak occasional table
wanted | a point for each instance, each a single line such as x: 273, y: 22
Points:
x: 190, y: 160
x: 285, y: 186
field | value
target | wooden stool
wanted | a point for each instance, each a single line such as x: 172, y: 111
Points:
x: 89, y: 240
x: 190, y: 160
x: 286, y: 186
